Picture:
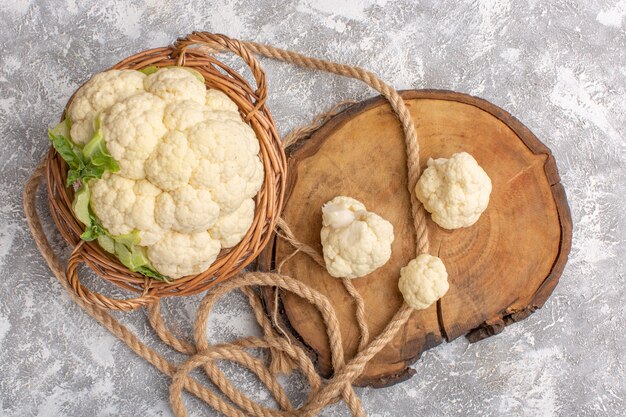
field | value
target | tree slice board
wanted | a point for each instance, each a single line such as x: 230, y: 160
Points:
x: 500, y: 269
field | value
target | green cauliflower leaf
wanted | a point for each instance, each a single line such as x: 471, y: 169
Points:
x: 89, y: 163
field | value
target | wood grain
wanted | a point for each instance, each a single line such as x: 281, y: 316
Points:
x: 500, y: 270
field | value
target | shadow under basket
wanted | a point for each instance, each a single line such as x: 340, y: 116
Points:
x: 193, y: 51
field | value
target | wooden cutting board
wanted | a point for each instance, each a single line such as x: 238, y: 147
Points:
x: 500, y: 269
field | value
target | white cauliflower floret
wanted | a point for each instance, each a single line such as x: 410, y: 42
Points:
x: 231, y: 228
x: 112, y: 197
x: 176, y: 84
x: 423, y: 281
x: 181, y: 115
x: 170, y: 165
x: 219, y: 101
x: 226, y: 165
x: 124, y: 205
x: 455, y: 191
x: 189, y: 165
x: 142, y: 215
x: 255, y: 174
x: 180, y: 254
x: 98, y: 94
x: 82, y: 130
x: 132, y: 129
x: 186, y: 210
x: 248, y: 133
x: 355, y: 241
x: 225, y: 115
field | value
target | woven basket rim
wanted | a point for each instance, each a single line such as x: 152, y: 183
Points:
x: 269, y: 200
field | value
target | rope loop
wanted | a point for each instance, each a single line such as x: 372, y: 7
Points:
x: 100, y: 300
x: 215, y: 42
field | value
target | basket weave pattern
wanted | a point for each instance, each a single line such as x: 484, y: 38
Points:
x: 269, y: 200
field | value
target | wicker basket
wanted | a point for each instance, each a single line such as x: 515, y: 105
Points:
x: 269, y: 200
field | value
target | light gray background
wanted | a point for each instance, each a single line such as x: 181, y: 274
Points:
x: 559, y: 66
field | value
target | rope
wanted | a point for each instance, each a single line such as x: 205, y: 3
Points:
x: 288, y: 235
x: 101, y: 315
x: 304, y: 132
x: 284, y: 355
x: 397, y: 104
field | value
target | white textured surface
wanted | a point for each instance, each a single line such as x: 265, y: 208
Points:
x: 559, y: 66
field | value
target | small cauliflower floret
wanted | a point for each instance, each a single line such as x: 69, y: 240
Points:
x: 355, y: 241
x: 423, y: 281
x: 112, y: 197
x: 178, y: 254
x: 455, y: 191
x: 142, y: 215
x: 187, y: 210
x: 98, y: 94
x: 255, y: 174
x: 226, y: 164
x: 226, y: 115
x: 124, y: 205
x: 176, y: 84
x: 253, y: 141
x: 82, y: 130
x: 231, y: 228
x: 170, y: 165
x: 219, y: 101
x: 181, y: 115
x: 132, y: 129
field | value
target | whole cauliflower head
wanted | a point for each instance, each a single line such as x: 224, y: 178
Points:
x: 189, y: 165
x: 455, y: 191
x: 355, y: 241
x: 423, y: 281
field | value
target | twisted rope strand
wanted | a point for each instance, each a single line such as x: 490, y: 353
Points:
x: 397, y: 104
x: 355, y: 367
x: 280, y: 362
x: 158, y: 325
x: 304, y: 132
x: 288, y: 235
x: 359, y: 313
